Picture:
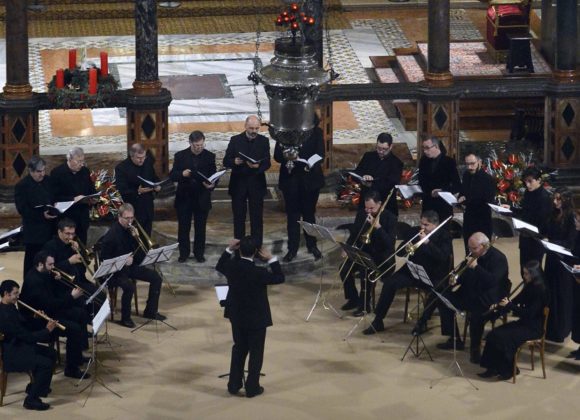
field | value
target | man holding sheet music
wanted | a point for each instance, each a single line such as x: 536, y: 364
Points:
x: 71, y: 181
x: 300, y: 181
x: 248, y: 156
x: 192, y: 169
x: 31, y: 195
x: 131, y: 176
x: 477, y: 190
x: 380, y: 171
x: 119, y: 240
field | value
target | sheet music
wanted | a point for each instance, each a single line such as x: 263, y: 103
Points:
x: 4, y: 245
x: 101, y: 316
x: 357, y: 176
x: 159, y: 254
x: 419, y: 272
x: 520, y: 224
x: 448, y: 303
x: 63, y: 206
x: 11, y: 232
x: 408, y: 191
x: 213, y: 177
x: 556, y: 248
x: 499, y: 209
x: 570, y: 268
x: 221, y: 291
x: 251, y: 160
x: 315, y: 158
x: 151, y: 183
x: 448, y: 197
x: 111, y: 265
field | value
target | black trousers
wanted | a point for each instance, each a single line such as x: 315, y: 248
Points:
x: 477, y: 319
x: 240, y: 204
x: 144, y: 215
x: 41, y: 367
x: 75, y: 321
x: 350, y: 292
x: 123, y: 280
x: 299, y: 204
x: 246, y: 341
x: 185, y: 213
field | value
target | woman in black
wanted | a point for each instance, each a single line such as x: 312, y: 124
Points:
x: 502, y: 343
x: 561, y: 231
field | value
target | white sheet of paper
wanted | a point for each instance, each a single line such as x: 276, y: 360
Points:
x: 221, y: 291
x: 312, y: 160
x: 520, y: 224
x: 4, y: 245
x: 11, y: 232
x: 63, y: 206
x: 570, y: 268
x: 354, y: 174
x: 556, y: 248
x: 499, y: 209
x: 101, y: 316
x: 408, y: 191
x: 448, y: 197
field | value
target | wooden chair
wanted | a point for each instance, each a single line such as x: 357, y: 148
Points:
x: 538, y: 343
x: 113, y: 299
x: 4, y: 374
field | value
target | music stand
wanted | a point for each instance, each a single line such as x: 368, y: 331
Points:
x: 454, y: 363
x: 154, y: 256
x: 366, y: 262
x: 419, y: 273
x: 321, y: 233
x: 98, y: 320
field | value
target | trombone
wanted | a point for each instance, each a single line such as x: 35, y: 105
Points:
x: 69, y: 280
x: 41, y: 314
x: 86, y: 255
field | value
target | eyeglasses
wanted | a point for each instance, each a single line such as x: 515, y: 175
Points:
x: 127, y: 218
x: 428, y: 147
x: 471, y: 163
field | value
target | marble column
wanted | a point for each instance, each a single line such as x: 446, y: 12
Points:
x: 148, y: 102
x: 18, y: 104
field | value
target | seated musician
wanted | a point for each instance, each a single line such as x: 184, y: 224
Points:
x: 120, y: 240
x: 20, y: 349
x: 67, y: 258
x: 483, y: 283
x: 432, y: 255
x: 381, y: 246
x: 502, y: 343
x: 41, y: 291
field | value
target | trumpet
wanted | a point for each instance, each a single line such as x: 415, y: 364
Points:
x: 40, y: 314
x: 69, y: 280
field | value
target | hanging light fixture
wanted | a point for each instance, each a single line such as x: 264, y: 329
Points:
x: 292, y: 82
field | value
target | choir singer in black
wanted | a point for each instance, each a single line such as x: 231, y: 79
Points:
x: 193, y: 194
x: 248, y: 309
x: 300, y: 183
x: 248, y: 156
x: 134, y: 190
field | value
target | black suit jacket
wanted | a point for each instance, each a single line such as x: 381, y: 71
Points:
x: 243, y: 179
x: 247, y: 303
x: 61, y: 253
x: 382, y: 244
x: 19, y: 341
x: 386, y: 172
x: 478, y: 190
x: 44, y: 293
x: 66, y: 185
x: 438, y: 173
x: 128, y: 184
x: 191, y: 188
x: 119, y: 241
x: 28, y: 194
x: 302, y: 178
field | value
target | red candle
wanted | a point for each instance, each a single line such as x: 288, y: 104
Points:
x: 59, y: 78
x: 104, y: 63
x: 72, y: 59
x: 92, y: 81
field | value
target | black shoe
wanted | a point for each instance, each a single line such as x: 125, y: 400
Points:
x: 253, y: 393
x: 359, y: 312
x: 290, y: 256
x: 200, y: 258
x: 419, y: 328
x: 127, y: 323
x: 41, y: 395
x: 506, y: 376
x: 234, y: 391
x: 156, y: 316
x: 448, y: 345
x: 35, y: 404
x: 182, y: 259
x: 75, y: 373
x: 490, y: 373
x: 475, y: 357
x: 315, y: 252
x: 376, y: 326
x: 351, y: 304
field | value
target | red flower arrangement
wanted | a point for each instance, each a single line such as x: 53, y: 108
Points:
x: 110, y: 199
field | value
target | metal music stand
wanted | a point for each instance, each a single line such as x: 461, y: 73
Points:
x: 454, y: 366
x: 99, y: 319
x: 365, y: 261
x: 419, y: 273
x: 154, y: 256
x: 168, y: 250
x: 321, y: 233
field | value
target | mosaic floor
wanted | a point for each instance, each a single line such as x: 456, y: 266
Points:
x: 208, y: 76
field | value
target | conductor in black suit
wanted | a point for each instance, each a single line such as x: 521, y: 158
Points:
x: 193, y: 194
x: 248, y: 309
x: 135, y: 191
x: 20, y: 349
x: 301, y: 186
x: 30, y: 195
x: 248, y: 180
x: 437, y: 172
x: 381, y: 171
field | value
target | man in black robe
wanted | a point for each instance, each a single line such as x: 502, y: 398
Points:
x: 193, y: 194
x: 381, y: 170
x: 31, y: 195
x: 134, y: 190
x: 71, y: 181
x: 248, y: 310
x: 477, y: 190
x: 301, y: 186
x: 20, y: 349
x: 247, y: 179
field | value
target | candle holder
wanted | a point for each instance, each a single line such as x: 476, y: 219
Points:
x: 75, y: 93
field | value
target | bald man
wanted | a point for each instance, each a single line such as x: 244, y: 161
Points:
x: 248, y: 156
